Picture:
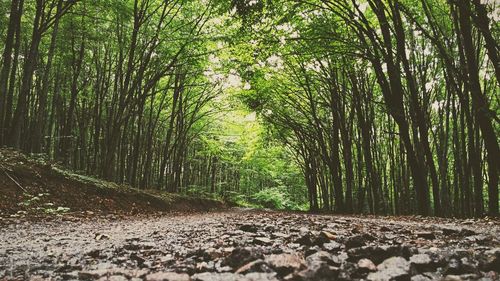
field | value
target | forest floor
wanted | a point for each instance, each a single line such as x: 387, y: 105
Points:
x: 31, y: 187
x: 57, y: 225
x: 241, y: 244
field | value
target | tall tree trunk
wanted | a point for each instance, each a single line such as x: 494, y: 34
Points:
x: 481, y: 107
x: 16, y: 9
x: 67, y: 138
x: 40, y: 119
x: 27, y: 79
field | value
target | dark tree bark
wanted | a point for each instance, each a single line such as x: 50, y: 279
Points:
x: 13, y: 29
x: 27, y: 77
x: 481, y: 106
x: 40, y: 119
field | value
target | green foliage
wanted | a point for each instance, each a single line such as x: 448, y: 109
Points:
x: 31, y: 199
x: 199, y: 192
x: 35, y: 203
x: 276, y: 198
x: 264, y: 102
x: 84, y: 178
x: 55, y: 211
x: 270, y: 198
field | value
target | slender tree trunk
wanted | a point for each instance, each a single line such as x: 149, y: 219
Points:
x: 27, y: 79
x: 212, y: 174
x: 16, y: 9
x: 481, y: 107
x: 40, y: 119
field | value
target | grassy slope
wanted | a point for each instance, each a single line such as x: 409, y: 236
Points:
x: 33, y: 187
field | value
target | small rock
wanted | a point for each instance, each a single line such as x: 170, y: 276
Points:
x: 467, y: 266
x: 449, y: 231
x: 116, y: 278
x: 355, y: 242
x: 327, y: 235
x: 269, y: 228
x: 92, y: 274
x: 358, y: 241
x: 349, y: 271
x: 221, y: 268
x: 280, y: 235
x: 420, y: 277
x: 262, y: 241
x: 132, y: 246
x: 395, y: 268
x: 249, y: 228
x: 480, y: 239
x: 332, y: 246
x: 452, y: 278
x: 227, y: 250
x: 454, y: 267
x: 490, y: 260
x: 254, y: 266
x: 377, y: 254
x: 94, y: 254
x: 68, y: 268
x: 311, y: 250
x: 214, y: 253
x: 426, y: 235
x: 322, y: 257
x: 200, y: 254
x: 304, y: 230
x: 140, y: 260
x: 205, y: 266
x: 323, y: 237
x: 421, y: 262
x: 285, y: 263
x: 317, y: 272
x: 241, y: 256
x: 259, y: 276
x: 305, y: 240
x: 99, y: 236
x: 210, y: 276
x: 467, y: 222
x: 384, y: 228
x: 366, y: 265
x: 73, y: 275
x: 467, y: 232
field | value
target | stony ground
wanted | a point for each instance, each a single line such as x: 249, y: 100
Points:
x: 248, y: 245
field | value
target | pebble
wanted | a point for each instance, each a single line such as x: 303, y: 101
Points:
x: 267, y: 246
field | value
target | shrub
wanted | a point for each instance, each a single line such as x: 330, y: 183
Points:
x: 272, y: 198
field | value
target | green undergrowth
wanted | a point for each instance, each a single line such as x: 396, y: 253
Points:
x: 277, y: 198
x: 35, y: 203
x: 86, y: 179
x: 165, y: 196
x: 270, y: 198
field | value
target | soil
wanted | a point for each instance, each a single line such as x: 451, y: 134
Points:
x: 241, y: 244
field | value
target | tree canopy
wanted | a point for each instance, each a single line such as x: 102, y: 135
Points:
x: 347, y: 106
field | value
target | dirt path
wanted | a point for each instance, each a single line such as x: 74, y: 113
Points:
x: 256, y: 245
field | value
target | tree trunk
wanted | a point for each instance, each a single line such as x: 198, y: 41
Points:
x: 16, y: 9
x: 481, y: 106
x: 27, y: 80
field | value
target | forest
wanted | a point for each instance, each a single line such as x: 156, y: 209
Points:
x: 386, y: 107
